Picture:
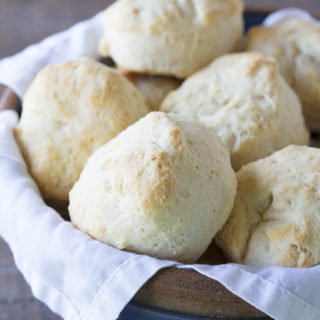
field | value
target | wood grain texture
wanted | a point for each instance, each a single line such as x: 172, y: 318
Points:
x: 313, y: 6
x: 188, y: 292
x: 176, y: 290
x: 23, y: 22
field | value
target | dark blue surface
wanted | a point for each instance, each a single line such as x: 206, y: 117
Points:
x: 253, y: 19
x: 136, y: 312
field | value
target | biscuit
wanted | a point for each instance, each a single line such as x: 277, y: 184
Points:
x: 170, y: 37
x: 275, y: 219
x: 163, y: 187
x: 153, y: 88
x: 69, y: 111
x: 248, y: 104
x: 295, y: 44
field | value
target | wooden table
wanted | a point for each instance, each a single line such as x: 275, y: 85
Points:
x: 25, y: 22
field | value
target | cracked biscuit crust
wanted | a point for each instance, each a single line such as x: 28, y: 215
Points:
x: 295, y: 44
x: 275, y: 219
x: 248, y: 104
x: 170, y: 37
x: 70, y: 110
x: 163, y: 187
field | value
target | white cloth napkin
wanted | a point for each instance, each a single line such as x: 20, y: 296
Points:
x: 80, y: 278
x: 288, y: 13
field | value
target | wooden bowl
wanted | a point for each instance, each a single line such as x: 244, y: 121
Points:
x: 184, y: 292
x: 171, y: 289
